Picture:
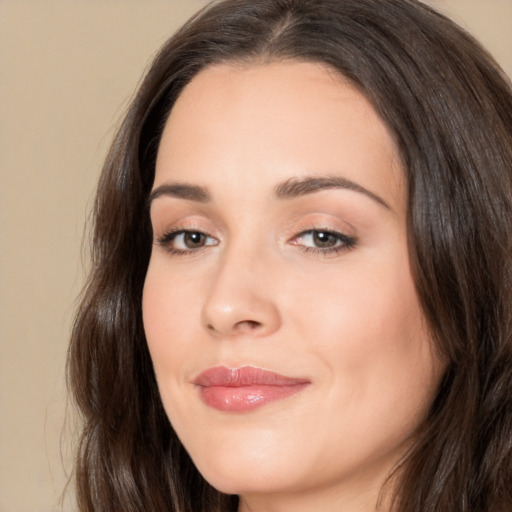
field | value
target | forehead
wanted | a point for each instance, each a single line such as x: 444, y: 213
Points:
x: 238, y: 122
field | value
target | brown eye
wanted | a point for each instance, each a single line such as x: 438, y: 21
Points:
x: 324, y: 242
x: 184, y: 241
x: 194, y: 239
x: 324, y: 239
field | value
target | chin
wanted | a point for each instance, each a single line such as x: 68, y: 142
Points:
x: 237, y: 471
x: 246, y: 483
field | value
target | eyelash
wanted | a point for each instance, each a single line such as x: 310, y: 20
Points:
x: 345, y: 242
x: 168, y: 237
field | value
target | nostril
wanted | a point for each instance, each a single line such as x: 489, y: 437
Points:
x: 238, y: 327
x: 244, y: 325
x: 247, y: 324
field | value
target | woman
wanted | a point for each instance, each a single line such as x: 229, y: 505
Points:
x: 301, y: 284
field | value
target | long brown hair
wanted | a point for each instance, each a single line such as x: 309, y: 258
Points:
x: 449, y: 108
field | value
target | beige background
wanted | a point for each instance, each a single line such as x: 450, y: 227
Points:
x: 67, y: 70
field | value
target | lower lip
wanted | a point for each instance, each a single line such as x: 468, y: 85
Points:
x: 246, y: 398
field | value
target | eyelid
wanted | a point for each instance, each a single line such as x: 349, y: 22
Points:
x: 169, y: 235
x: 337, y: 234
x: 168, y: 216
x: 344, y: 243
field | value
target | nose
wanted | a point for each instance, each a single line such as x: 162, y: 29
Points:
x: 241, y: 299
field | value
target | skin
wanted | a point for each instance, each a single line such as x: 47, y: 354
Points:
x: 257, y: 290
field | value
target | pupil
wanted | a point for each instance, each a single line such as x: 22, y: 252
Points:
x: 323, y: 239
x: 193, y: 239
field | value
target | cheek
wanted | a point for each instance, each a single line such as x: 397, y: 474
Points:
x: 170, y: 318
x: 368, y: 328
x: 167, y: 308
x: 361, y: 308
x: 379, y: 375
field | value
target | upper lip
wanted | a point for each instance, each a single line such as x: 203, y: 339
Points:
x: 244, y: 376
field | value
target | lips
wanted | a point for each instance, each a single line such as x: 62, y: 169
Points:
x: 245, y: 389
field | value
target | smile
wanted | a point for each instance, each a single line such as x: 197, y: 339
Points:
x: 245, y: 389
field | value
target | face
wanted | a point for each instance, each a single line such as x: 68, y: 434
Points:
x: 288, y: 344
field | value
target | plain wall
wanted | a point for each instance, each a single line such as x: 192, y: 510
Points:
x: 67, y: 71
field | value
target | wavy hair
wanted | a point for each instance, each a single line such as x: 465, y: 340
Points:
x: 449, y: 107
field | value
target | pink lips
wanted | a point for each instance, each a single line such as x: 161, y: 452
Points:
x: 244, y: 389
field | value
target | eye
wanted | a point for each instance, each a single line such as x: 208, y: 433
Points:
x: 320, y: 239
x: 323, y: 241
x: 183, y: 241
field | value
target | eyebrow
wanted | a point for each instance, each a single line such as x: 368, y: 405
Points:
x: 289, y: 189
x: 181, y: 191
x: 296, y: 187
